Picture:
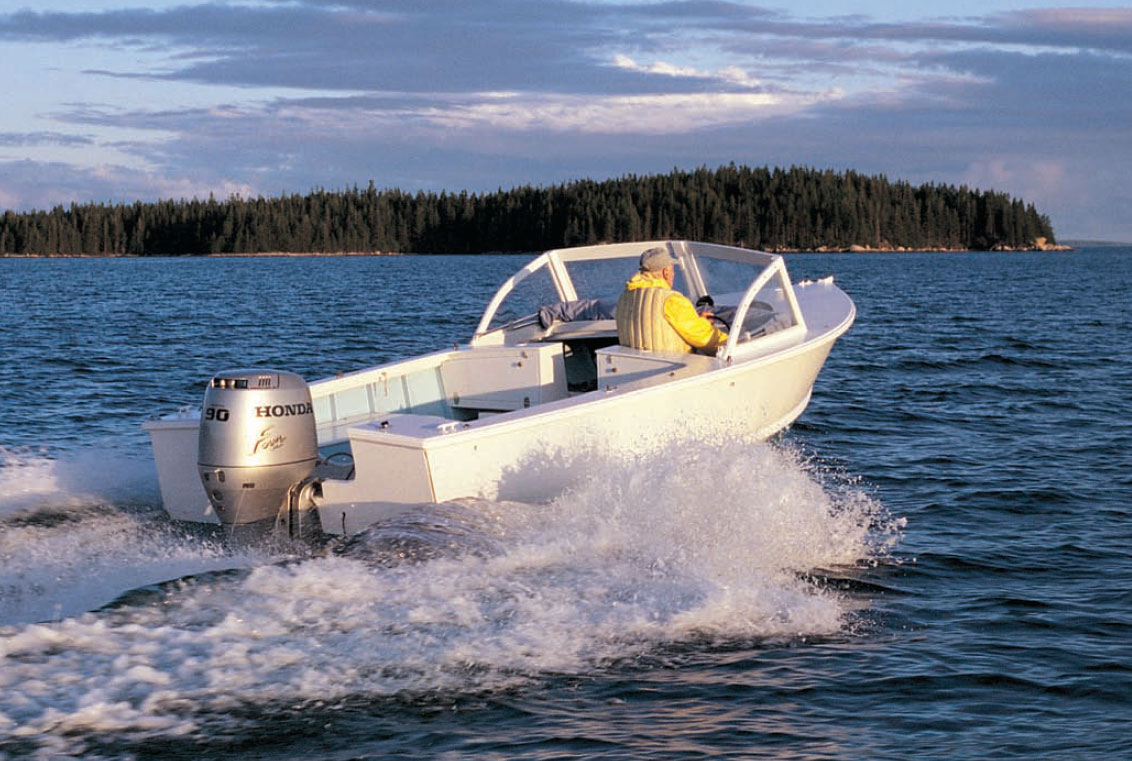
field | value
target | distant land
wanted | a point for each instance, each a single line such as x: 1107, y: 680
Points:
x: 795, y: 209
x: 1077, y: 243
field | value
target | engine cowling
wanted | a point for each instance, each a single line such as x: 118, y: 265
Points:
x: 257, y: 440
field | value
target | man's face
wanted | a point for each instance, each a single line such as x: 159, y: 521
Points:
x: 669, y: 273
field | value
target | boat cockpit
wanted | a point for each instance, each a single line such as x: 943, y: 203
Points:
x: 550, y: 333
x: 569, y: 296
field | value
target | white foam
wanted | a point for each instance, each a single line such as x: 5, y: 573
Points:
x: 700, y: 543
x: 26, y: 477
x: 32, y: 479
x: 66, y: 545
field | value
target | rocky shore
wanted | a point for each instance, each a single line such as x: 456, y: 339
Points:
x: 1041, y: 244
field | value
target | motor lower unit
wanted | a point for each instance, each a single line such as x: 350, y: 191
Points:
x: 257, y: 440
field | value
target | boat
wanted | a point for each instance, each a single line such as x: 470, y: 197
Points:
x: 516, y: 412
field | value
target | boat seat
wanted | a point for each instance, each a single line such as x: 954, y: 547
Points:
x: 619, y: 365
x: 504, y: 378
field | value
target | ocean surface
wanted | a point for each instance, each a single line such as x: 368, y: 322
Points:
x: 932, y: 563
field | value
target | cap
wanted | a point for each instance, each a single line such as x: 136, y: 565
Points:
x: 656, y: 259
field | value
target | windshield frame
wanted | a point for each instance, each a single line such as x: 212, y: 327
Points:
x: 771, y: 267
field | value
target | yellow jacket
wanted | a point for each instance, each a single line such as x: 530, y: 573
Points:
x: 653, y: 317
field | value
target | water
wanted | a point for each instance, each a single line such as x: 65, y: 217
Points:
x: 933, y: 562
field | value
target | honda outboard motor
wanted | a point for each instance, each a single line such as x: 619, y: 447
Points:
x: 257, y: 440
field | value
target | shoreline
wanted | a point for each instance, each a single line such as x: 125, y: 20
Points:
x: 223, y: 255
x: 854, y: 249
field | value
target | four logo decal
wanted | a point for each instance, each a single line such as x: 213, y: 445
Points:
x: 268, y: 440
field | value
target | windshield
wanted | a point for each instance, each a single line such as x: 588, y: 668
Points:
x: 569, y: 278
x: 606, y: 278
x: 530, y: 294
x: 725, y: 277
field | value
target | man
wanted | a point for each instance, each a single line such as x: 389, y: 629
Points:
x: 653, y: 317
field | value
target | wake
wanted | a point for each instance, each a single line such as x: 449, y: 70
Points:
x: 704, y: 544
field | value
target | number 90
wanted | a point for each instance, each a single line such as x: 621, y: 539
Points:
x: 218, y: 414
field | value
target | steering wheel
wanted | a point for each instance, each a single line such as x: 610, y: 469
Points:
x: 707, y: 301
x: 721, y: 321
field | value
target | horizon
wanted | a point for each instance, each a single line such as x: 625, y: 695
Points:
x: 116, y: 101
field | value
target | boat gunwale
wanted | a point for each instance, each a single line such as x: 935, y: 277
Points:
x: 585, y: 402
x: 349, y: 429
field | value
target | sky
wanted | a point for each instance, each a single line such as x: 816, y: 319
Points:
x: 121, y: 100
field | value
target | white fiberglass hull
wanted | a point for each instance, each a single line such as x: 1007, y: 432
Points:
x: 527, y: 406
x: 532, y: 455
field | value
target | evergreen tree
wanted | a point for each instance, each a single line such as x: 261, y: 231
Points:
x: 777, y: 209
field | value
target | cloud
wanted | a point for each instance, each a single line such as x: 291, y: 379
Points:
x: 45, y: 184
x: 24, y: 139
x: 478, y: 95
x: 1096, y: 29
x: 372, y: 46
x: 640, y: 115
x: 1052, y: 90
x: 1039, y: 179
x: 731, y: 75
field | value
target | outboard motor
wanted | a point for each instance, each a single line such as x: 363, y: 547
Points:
x: 257, y: 440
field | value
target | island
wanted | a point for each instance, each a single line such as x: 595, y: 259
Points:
x: 778, y: 210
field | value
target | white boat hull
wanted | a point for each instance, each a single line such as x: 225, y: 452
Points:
x: 496, y: 420
x: 534, y: 454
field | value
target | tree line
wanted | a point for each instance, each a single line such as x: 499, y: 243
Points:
x: 774, y: 209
